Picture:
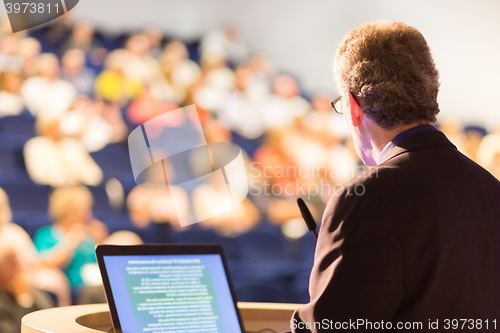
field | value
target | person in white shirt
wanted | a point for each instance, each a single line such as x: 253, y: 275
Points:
x: 46, y: 95
x: 55, y: 160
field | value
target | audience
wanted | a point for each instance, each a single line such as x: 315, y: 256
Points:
x: 86, y: 102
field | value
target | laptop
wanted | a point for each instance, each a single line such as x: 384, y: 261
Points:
x: 168, y: 288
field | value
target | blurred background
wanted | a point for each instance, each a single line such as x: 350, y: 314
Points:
x: 260, y: 76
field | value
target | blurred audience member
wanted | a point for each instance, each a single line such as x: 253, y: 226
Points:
x: 285, y: 104
x: 45, y: 95
x: 281, y: 210
x: 56, y: 160
x: 217, y: 80
x: 69, y: 243
x: 211, y: 198
x: 240, y: 112
x: 9, y: 58
x: 180, y: 72
x: 261, y: 65
x: 153, y: 201
x: 227, y: 39
x: 473, y: 138
x: 11, y: 103
x: 488, y: 154
x: 275, y: 162
x: 155, y: 36
x: 140, y: 65
x: 18, y: 296
x: 95, y: 123
x: 123, y: 237
x: 29, y: 49
x: 15, y: 302
x: 83, y: 38
x: 35, y: 273
x: 146, y: 107
x: 75, y: 71
x: 323, y: 120
x: 454, y: 131
x: 112, y: 84
x: 215, y: 131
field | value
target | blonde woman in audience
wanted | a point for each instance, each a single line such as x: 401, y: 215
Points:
x: 46, y: 95
x: 55, y: 160
x: 69, y: 243
x: 32, y: 273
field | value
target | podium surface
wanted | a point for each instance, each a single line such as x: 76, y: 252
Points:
x: 95, y: 318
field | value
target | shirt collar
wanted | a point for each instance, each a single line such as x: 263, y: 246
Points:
x: 402, y: 137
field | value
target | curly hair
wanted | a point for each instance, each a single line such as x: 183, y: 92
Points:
x: 389, y: 68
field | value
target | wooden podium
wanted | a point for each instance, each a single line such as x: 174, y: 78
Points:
x: 95, y: 318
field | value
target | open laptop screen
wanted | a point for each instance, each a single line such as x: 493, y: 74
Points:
x: 170, y: 293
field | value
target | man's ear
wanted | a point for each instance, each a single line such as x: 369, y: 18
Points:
x: 355, y: 111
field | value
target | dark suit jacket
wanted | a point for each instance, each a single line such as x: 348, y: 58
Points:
x: 415, y: 239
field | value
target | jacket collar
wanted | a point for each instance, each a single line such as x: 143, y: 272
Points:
x: 417, y: 138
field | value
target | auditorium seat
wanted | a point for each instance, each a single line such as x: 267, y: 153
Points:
x: 113, y: 160
x: 116, y: 222
x: 8, y: 159
x: 23, y: 196
x: 262, y: 246
x: 16, y: 130
x: 299, y: 288
x: 34, y: 222
x: 260, y: 293
x: 101, y: 200
x: 254, y: 289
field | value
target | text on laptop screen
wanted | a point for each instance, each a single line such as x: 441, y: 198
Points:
x: 171, y: 293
